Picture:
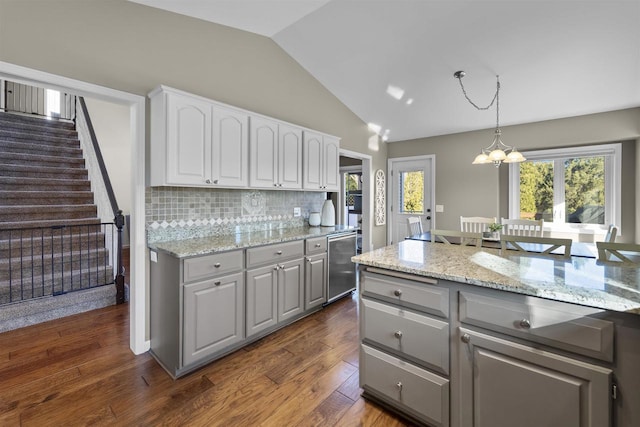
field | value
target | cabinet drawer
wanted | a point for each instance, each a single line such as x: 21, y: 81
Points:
x: 420, y: 296
x: 274, y: 253
x: 316, y: 245
x: 418, y: 392
x: 211, y: 265
x: 560, y: 325
x: 420, y: 337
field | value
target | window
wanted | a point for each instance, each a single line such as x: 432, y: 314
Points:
x: 570, y: 188
x: 412, y: 192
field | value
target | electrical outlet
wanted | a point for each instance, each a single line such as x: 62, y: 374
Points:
x: 296, y: 211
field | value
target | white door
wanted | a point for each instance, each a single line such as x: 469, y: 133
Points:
x: 410, y: 195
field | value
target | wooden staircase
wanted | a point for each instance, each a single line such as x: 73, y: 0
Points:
x: 51, y: 239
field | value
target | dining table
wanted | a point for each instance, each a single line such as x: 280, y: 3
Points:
x: 579, y: 249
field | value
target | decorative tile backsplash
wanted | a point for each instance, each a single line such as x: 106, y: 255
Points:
x: 175, y: 213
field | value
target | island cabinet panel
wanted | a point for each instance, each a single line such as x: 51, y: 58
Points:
x: 417, y: 392
x: 505, y: 384
x: 559, y: 325
x: 214, y: 316
x: 422, y: 339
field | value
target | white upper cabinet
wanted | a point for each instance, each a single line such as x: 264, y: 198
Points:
x: 230, y: 147
x: 321, y: 162
x: 203, y: 143
x: 275, y: 155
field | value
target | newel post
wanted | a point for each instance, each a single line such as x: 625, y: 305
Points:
x: 119, y: 221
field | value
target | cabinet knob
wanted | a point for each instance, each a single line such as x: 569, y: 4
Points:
x: 308, y: 259
x: 215, y: 181
x: 465, y: 338
x: 397, y: 292
x: 275, y: 185
x: 525, y: 324
x: 217, y: 283
x: 216, y: 265
x: 279, y: 185
x: 318, y: 245
x: 275, y: 267
x: 399, y: 385
x: 397, y: 334
x: 279, y: 253
x: 208, y: 181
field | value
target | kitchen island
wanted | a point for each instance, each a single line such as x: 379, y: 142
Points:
x: 463, y: 336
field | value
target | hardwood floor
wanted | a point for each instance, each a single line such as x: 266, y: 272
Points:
x: 79, y: 371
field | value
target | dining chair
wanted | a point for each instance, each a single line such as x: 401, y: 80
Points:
x: 415, y: 225
x: 534, y: 244
x: 463, y: 238
x: 475, y: 224
x: 522, y: 227
x: 625, y: 253
x: 612, y: 231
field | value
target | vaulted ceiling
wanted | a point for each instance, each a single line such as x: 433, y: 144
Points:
x: 555, y: 58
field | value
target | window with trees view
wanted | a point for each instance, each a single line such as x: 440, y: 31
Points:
x: 568, y: 186
x: 412, y: 192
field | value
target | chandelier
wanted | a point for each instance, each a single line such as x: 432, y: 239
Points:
x: 498, y: 151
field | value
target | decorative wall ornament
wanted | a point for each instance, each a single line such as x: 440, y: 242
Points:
x: 381, y: 204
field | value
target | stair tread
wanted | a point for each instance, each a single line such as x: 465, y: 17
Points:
x: 35, y: 120
x: 40, y: 157
x: 16, y: 146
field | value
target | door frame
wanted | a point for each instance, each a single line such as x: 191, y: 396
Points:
x: 390, y: 163
x: 138, y: 341
x: 367, y: 197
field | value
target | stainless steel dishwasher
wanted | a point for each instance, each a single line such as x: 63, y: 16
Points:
x: 342, y: 272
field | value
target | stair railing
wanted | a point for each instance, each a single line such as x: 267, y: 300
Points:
x: 101, y: 185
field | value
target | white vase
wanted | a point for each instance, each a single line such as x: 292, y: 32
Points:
x: 328, y: 214
x: 314, y: 219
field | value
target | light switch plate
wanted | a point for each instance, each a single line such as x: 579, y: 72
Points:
x: 296, y: 211
x: 439, y: 208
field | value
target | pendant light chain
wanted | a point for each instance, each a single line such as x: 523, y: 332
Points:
x: 495, y: 96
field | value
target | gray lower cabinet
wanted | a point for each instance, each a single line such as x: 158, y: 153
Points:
x: 290, y: 289
x: 508, y: 359
x: 505, y: 384
x: 262, y: 298
x: 213, y: 316
x: 315, y: 281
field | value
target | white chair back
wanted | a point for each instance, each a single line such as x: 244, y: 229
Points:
x: 625, y: 253
x: 415, y: 225
x: 522, y: 227
x: 538, y: 245
x: 475, y: 224
x: 462, y: 238
x: 610, y: 237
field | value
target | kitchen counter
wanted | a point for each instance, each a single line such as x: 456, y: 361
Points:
x: 211, y: 244
x: 578, y: 280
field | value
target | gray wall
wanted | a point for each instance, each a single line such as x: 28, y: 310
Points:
x: 134, y: 48
x: 471, y: 190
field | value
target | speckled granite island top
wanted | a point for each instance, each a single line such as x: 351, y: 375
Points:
x: 577, y: 280
x: 208, y: 245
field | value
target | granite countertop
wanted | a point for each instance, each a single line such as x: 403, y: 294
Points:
x: 208, y: 245
x: 578, y: 280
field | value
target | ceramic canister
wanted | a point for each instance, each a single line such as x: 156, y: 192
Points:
x: 314, y: 219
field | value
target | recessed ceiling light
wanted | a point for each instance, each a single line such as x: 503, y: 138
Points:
x: 409, y: 101
x: 395, y: 92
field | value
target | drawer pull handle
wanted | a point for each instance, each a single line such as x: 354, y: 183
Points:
x: 397, y: 334
x: 216, y: 265
x: 279, y: 253
x: 399, y: 385
x: 525, y: 324
x: 397, y: 292
x: 465, y: 338
x: 217, y: 283
x: 318, y: 245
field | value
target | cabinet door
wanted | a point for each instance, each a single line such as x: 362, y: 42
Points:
x: 188, y: 140
x: 290, y: 289
x: 213, y: 316
x: 262, y: 299
x: 263, y: 152
x: 315, y: 281
x: 312, y: 159
x: 230, y: 148
x: 504, y: 384
x: 331, y: 163
x: 289, y: 157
